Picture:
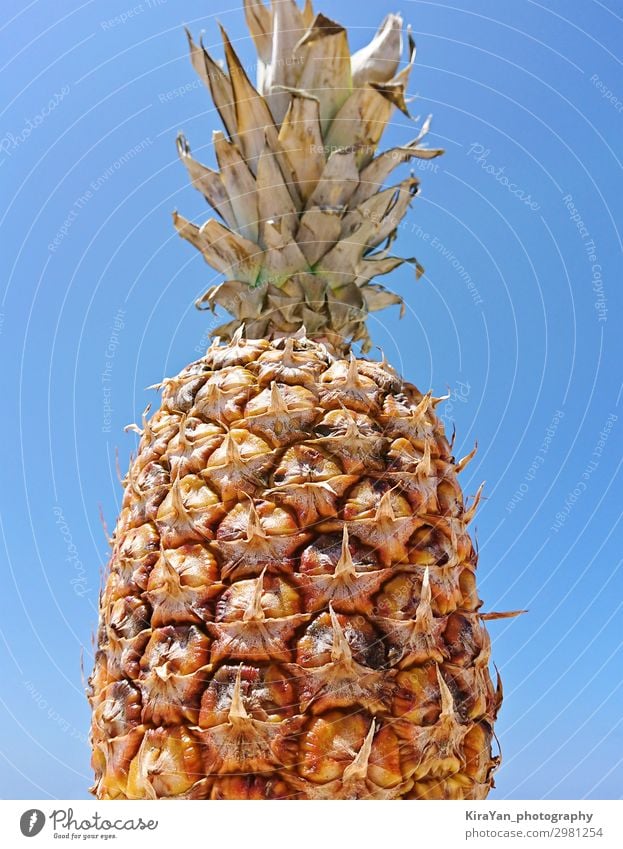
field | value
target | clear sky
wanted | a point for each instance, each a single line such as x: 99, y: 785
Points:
x: 518, y: 314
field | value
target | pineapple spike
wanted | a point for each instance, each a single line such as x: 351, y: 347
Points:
x: 183, y: 439
x: 133, y: 484
x: 178, y: 505
x: 237, y: 710
x: 340, y: 651
x: 146, y: 429
x: 288, y: 353
x: 419, y: 414
x: 172, y: 579
x: 435, y: 401
x: 214, y: 346
x: 425, y: 467
x: 424, y: 612
x: 232, y: 452
x: 238, y: 336
x: 145, y: 420
x: 344, y: 567
x: 466, y: 459
x: 301, y: 333
x: 255, y: 611
x: 469, y: 514
x: 278, y: 403
x: 352, y: 375
x: 447, y: 702
x: 213, y: 397
x: 454, y: 541
x: 358, y: 769
x: 385, y: 512
x: 254, y: 525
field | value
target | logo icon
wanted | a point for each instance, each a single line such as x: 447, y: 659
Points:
x: 31, y: 822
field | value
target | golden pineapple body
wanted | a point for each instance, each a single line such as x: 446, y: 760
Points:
x: 291, y: 607
x: 291, y: 610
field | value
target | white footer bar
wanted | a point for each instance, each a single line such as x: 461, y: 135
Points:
x: 301, y: 825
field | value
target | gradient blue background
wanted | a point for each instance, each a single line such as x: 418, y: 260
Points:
x: 518, y: 79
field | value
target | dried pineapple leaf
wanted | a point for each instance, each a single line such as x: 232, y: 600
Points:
x: 235, y: 297
x: 302, y: 144
x: 338, y: 181
x: 369, y: 268
x: 239, y: 183
x: 308, y: 13
x: 227, y: 252
x: 378, y: 61
x: 217, y: 83
x: 402, y: 77
x: 360, y: 123
x: 275, y: 202
x: 374, y: 175
x: 208, y: 182
x: 507, y: 614
x: 318, y: 231
x: 290, y: 308
x: 326, y: 70
x: 227, y: 330
x: 253, y: 117
x: 378, y: 297
x: 401, y: 197
x: 282, y: 258
x: 260, y: 23
x: 285, y: 63
x: 337, y: 265
x: 313, y: 320
x: 395, y: 93
x: 345, y: 304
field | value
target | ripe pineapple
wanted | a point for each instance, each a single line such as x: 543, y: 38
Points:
x: 291, y: 609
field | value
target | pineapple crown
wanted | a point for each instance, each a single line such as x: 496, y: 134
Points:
x: 305, y: 221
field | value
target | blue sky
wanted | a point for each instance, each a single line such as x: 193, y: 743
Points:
x: 518, y: 316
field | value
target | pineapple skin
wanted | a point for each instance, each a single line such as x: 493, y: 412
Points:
x: 291, y: 608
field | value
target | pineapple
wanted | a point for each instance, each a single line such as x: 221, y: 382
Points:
x: 291, y: 608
